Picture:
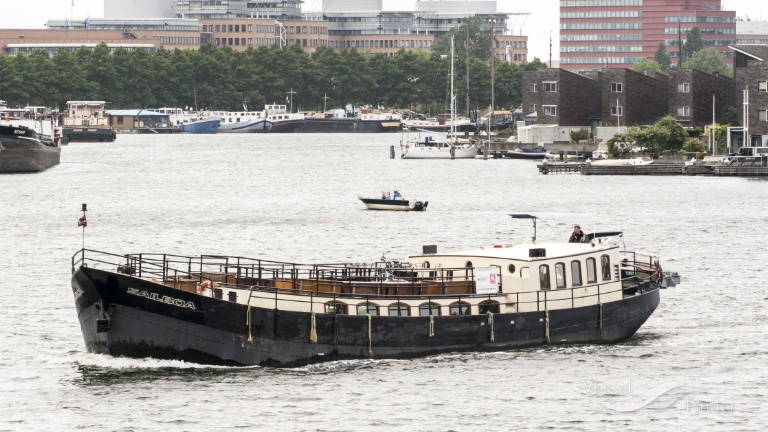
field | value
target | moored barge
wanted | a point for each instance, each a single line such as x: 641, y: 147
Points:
x: 231, y: 310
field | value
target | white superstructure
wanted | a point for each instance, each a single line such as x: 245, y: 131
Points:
x: 139, y: 8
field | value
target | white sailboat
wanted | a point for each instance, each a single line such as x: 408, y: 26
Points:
x: 448, y: 148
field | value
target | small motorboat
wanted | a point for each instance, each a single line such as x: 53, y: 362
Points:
x: 529, y: 153
x: 394, y: 202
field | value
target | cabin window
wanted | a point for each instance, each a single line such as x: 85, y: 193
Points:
x: 576, y: 273
x: 591, y: 270
x: 460, y: 308
x: 368, y: 308
x: 560, y: 275
x: 544, y: 277
x: 399, y: 309
x: 119, y: 119
x: 468, y: 264
x: 336, y: 308
x: 511, y: 268
x: 449, y: 275
x: 426, y: 264
x: 605, y: 266
x: 428, y: 309
x: 489, y: 306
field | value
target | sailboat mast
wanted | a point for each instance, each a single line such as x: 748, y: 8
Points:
x: 453, y: 100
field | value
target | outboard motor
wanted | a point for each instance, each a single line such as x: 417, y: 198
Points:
x: 420, y: 206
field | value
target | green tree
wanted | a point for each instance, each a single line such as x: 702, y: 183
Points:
x: 472, y: 38
x: 709, y: 60
x: 693, y: 42
x: 730, y: 117
x: 579, y: 135
x: 645, y: 65
x: 693, y: 145
x: 662, y: 57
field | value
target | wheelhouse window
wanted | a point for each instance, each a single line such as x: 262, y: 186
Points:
x: 489, y: 306
x: 576, y: 273
x: 605, y: 266
x: 368, y: 308
x: 591, y: 270
x: 544, y: 277
x: 336, y: 308
x: 428, y: 309
x: 560, y: 275
x: 399, y: 309
x: 460, y: 308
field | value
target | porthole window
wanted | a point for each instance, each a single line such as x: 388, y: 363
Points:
x: 560, y: 275
x: 399, y: 309
x: 489, y: 306
x: 511, y: 268
x: 591, y: 270
x: 428, y: 309
x: 544, y: 277
x: 605, y: 265
x: 367, y: 308
x: 460, y: 308
x: 468, y: 264
x: 336, y: 308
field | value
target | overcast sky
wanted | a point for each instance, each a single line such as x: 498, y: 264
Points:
x: 539, y: 25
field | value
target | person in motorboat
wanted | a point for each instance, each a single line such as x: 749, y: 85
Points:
x: 397, y: 195
x: 578, y: 235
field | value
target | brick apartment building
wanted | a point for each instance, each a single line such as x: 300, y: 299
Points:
x: 633, y: 98
x: 560, y: 97
x: 691, y: 94
x: 623, y: 97
x: 750, y: 72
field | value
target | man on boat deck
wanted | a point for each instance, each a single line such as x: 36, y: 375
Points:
x: 396, y: 195
x: 578, y: 235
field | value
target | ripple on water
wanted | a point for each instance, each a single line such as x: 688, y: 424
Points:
x: 294, y: 198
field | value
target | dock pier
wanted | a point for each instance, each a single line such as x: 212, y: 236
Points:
x: 656, y: 168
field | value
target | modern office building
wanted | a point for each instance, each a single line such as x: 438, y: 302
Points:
x: 596, y: 34
x: 751, y: 32
x: 241, y: 24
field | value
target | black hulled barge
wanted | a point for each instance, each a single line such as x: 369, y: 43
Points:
x: 240, y: 311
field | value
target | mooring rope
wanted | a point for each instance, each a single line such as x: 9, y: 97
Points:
x: 546, y: 330
x: 370, y: 342
x: 601, y: 320
x: 248, y: 323
x: 313, y: 329
x: 490, y: 324
x: 431, y: 325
